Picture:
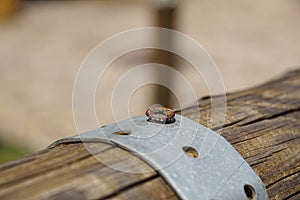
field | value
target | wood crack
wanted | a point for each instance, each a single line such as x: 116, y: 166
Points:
x: 280, y: 114
x: 130, y: 186
x: 295, y: 196
x: 47, y: 170
x: 282, y: 178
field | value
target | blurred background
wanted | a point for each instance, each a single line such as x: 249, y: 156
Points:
x: 43, y: 43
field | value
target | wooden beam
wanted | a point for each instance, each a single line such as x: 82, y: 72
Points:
x: 262, y: 123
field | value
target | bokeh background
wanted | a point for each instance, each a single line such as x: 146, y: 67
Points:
x: 43, y: 43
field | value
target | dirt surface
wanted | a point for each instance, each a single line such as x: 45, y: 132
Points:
x: 41, y: 50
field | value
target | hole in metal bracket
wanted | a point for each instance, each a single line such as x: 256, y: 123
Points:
x: 190, y: 151
x: 123, y: 132
x: 250, y: 192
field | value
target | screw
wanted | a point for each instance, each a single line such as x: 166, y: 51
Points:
x: 159, y: 114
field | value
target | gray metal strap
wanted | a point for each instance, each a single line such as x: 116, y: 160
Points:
x: 214, y: 169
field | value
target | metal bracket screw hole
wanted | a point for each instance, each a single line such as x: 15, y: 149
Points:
x: 190, y: 151
x: 250, y: 192
x: 122, y: 132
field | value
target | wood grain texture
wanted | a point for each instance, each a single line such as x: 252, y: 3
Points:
x: 261, y: 123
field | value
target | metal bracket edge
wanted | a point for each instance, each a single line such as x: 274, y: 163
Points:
x: 218, y: 172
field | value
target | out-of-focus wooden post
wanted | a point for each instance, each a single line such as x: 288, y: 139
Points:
x: 165, y: 17
x: 9, y: 7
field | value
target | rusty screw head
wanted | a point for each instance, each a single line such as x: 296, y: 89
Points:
x: 160, y: 114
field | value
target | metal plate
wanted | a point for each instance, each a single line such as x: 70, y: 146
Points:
x: 219, y: 172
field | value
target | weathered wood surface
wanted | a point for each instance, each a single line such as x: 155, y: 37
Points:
x: 261, y: 123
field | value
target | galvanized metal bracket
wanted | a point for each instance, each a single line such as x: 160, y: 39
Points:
x: 194, y: 160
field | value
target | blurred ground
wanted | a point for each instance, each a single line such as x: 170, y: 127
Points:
x: 42, y: 48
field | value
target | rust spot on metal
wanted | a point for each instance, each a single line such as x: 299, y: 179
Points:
x: 160, y: 114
